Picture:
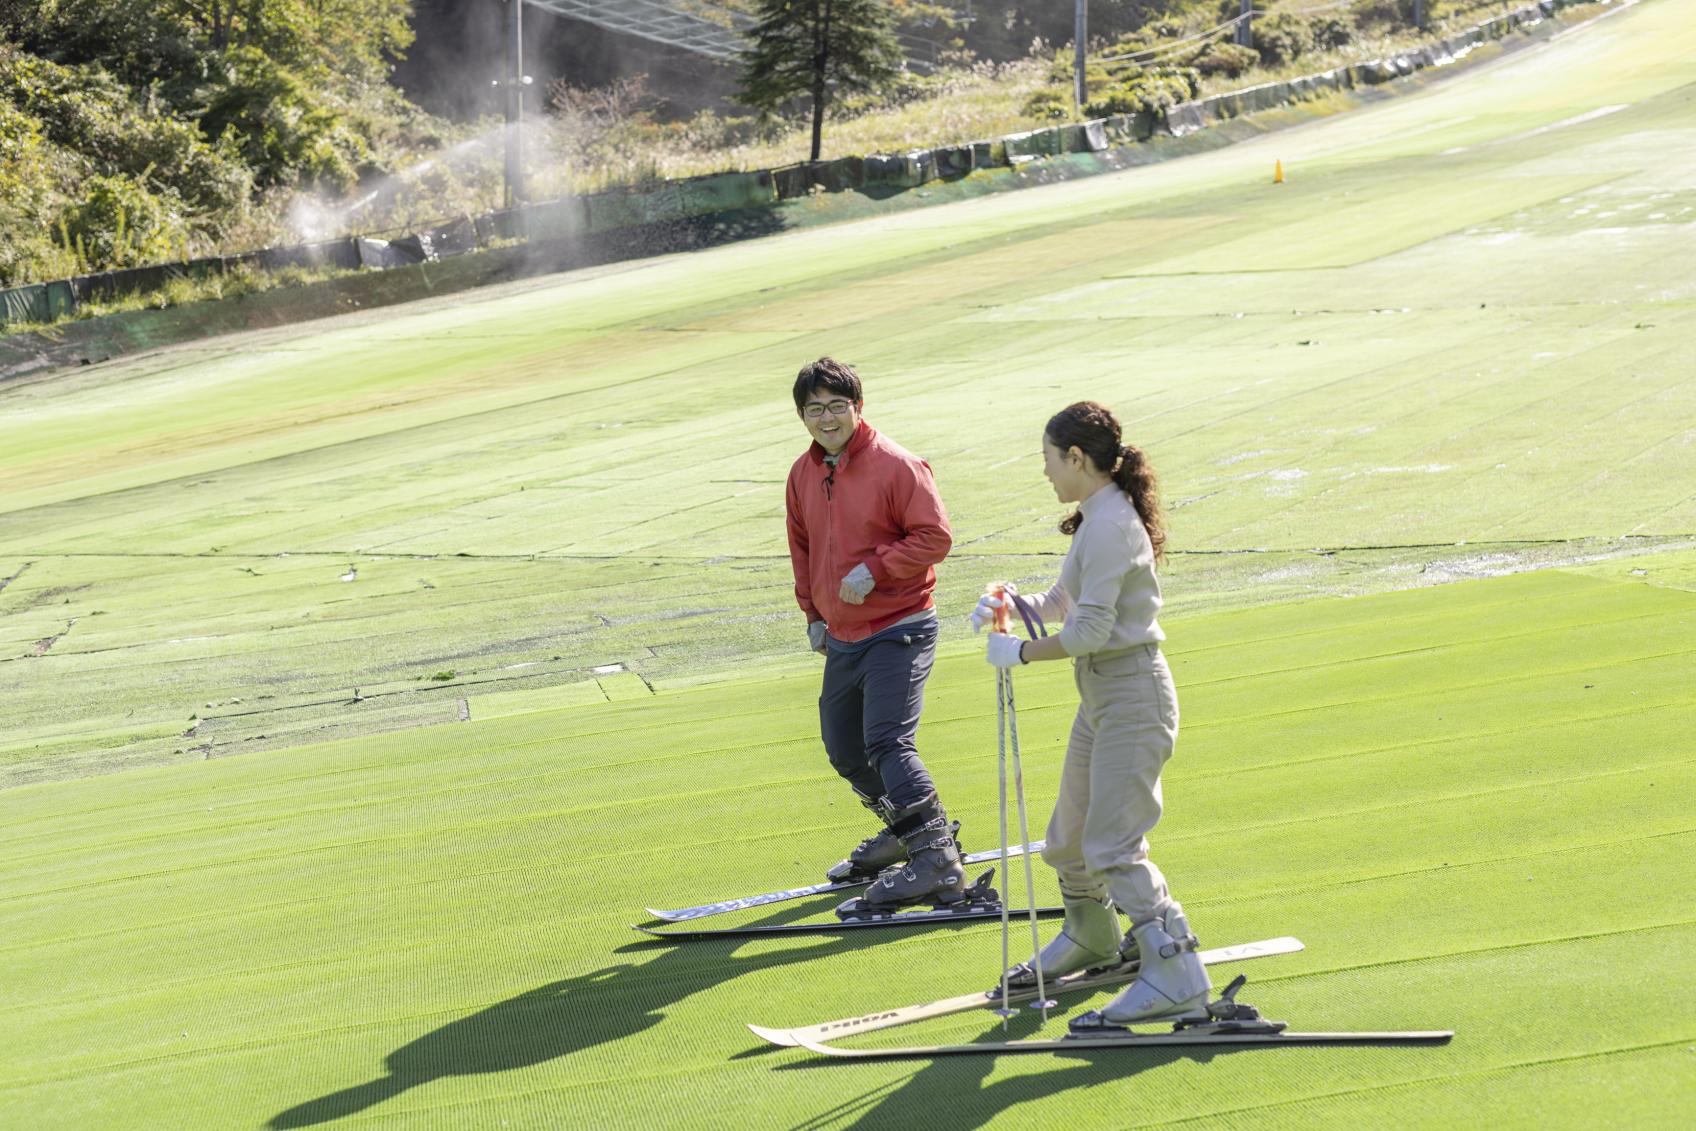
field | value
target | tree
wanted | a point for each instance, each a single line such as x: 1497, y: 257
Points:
x: 812, y: 47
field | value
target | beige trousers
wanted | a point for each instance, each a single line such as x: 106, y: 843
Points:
x: 1126, y: 727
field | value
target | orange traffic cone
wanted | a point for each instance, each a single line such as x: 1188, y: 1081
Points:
x: 1277, y: 172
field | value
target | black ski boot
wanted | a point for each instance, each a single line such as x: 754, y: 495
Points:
x: 877, y: 852
x: 933, y: 873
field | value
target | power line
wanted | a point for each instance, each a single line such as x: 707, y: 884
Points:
x: 719, y: 37
x: 1177, y: 44
x: 697, y: 26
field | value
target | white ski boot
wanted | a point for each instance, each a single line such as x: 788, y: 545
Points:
x: 1171, y: 982
x: 1090, y: 937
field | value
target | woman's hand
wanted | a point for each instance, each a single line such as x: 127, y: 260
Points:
x: 1004, y: 651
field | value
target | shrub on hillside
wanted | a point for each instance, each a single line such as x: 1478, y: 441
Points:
x: 1331, y: 32
x: 86, y: 111
x: 1228, y: 59
x: 1152, y: 90
x: 30, y: 169
x: 120, y: 223
x: 285, y: 130
x: 1282, y: 38
x: 1048, y: 102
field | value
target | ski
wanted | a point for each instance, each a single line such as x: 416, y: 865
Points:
x: 990, y: 999
x: 685, y: 914
x: 1222, y: 1035
x: 1227, y: 1021
x: 840, y: 926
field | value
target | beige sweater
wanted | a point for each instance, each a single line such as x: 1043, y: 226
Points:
x: 1107, y: 592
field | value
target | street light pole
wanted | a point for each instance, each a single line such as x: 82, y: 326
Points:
x: 1080, y: 36
x: 515, y: 82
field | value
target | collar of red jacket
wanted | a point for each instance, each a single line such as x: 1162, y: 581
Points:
x: 863, y: 435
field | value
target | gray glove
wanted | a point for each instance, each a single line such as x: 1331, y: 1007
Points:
x: 815, y: 636
x: 857, y: 584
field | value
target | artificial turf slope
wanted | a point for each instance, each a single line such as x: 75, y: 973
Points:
x: 1467, y: 317
x: 1470, y: 802
x: 519, y: 554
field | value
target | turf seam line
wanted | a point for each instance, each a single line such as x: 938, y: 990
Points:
x: 1203, y: 775
x: 396, y: 433
x: 1426, y: 693
x: 463, y: 1010
x: 1428, y: 649
x: 1434, y: 799
x: 916, y: 940
x: 58, y: 854
x: 599, y: 807
x: 1446, y: 1080
x: 1415, y: 744
x: 1330, y: 885
x: 546, y: 556
x: 1471, y: 952
x: 805, y: 736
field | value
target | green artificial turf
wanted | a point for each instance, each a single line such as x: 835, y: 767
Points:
x: 362, y: 681
x: 1467, y: 801
x: 1467, y: 317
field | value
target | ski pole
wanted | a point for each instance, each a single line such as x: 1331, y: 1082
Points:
x: 1042, y: 1001
x: 1006, y: 1011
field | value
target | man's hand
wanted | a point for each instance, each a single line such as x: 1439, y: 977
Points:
x: 857, y: 584
x: 1003, y: 651
x: 815, y: 636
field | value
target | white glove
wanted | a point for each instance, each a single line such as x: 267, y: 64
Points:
x: 815, y: 636
x: 1003, y: 651
x: 857, y: 584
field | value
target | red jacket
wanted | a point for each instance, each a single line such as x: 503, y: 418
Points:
x: 879, y: 506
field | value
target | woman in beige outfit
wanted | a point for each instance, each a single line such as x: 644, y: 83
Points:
x: 1108, y: 597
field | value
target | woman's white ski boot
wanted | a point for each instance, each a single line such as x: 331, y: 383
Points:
x: 1171, y: 982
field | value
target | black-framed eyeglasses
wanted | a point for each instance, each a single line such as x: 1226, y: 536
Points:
x: 815, y: 409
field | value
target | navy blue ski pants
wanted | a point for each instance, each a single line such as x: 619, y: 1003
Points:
x: 869, y: 711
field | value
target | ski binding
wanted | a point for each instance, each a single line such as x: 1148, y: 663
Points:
x: 684, y: 914
x: 978, y: 900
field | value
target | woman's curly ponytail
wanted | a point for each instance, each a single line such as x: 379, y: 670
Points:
x: 1092, y: 429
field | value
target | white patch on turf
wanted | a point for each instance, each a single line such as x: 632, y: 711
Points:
x: 1421, y: 469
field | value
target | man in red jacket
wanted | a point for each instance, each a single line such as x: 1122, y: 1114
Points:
x: 866, y: 529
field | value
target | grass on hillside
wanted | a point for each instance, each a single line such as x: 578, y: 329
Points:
x: 957, y: 105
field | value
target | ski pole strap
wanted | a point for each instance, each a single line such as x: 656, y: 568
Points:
x: 1032, y: 619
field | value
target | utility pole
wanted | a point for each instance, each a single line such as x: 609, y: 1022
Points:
x: 515, y: 82
x: 1245, y: 24
x: 1080, y: 38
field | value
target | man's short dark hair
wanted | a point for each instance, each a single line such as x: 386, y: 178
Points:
x: 830, y: 375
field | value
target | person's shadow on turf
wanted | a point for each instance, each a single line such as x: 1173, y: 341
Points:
x: 950, y: 1092
x: 562, y: 1018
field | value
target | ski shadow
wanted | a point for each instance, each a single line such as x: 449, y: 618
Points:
x: 951, y: 1092
x: 567, y: 1016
